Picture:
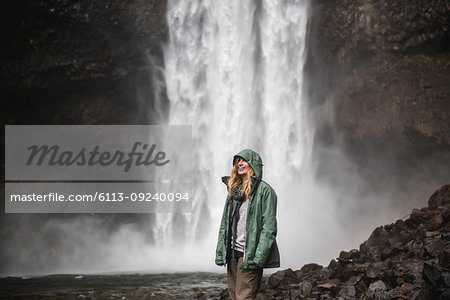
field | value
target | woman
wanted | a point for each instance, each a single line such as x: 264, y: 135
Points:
x: 248, y: 228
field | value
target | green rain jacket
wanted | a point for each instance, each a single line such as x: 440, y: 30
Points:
x: 261, y: 249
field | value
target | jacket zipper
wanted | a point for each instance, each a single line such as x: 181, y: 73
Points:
x: 227, y: 237
x: 246, y: 219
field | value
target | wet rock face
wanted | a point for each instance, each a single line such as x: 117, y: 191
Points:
x: 403, y: 260
x: 388, y: 62
x: 382, y: 68
x: 352, y: 28
x: 82, y: 62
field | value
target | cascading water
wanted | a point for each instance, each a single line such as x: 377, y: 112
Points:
x: 234, y: 71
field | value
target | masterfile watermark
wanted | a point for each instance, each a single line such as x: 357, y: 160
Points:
x: 131, y: 168
x: 52, y: 155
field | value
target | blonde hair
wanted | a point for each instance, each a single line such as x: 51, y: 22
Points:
x: 244, y: 181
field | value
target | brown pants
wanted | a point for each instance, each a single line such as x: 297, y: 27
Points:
x: 242, y: 284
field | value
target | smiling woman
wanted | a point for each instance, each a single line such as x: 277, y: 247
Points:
x: 242, y: 166
x: 248, y: 228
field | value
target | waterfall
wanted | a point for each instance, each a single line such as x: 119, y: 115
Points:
x: 234, y: 71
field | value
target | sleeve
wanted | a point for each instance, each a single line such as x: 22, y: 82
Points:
x: 269, y: 227
x: 221, y: 241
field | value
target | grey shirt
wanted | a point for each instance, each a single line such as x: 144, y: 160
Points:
x: 239, y: 243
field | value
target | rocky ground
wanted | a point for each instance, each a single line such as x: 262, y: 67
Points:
x: 409, y: 259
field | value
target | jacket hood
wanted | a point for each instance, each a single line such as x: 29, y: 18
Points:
x: 253, y: 159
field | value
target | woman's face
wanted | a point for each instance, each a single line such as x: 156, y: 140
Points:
x: 243, y: 166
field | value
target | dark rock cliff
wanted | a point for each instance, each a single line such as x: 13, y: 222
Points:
x: 81, y: 62
x: 379, y: 83
x: 76, y: 62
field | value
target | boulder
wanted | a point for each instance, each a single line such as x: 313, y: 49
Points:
x: 377, y: 285
x: 402, y: 291
x: 348, y: 291
x: 282, y: 278
x: 305, y: 288
x: 331, y: 286
x: 438, y: 277
x: 440, y: 197
x: 435, y: 247
x: 435, y: 222
x: 308, y: 268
